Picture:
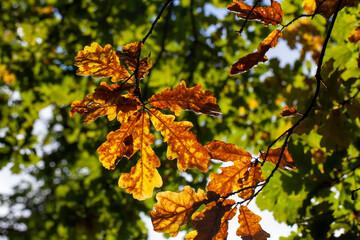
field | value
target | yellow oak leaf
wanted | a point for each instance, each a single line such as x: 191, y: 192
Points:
x: 173, y: 210
x: 106, y: 100
x: 182, y: 98
x: 249, y: 225
x: 268, y: 15
x: 229, y: 180
x: 182, y: 144
x: 286, y: 161
x: 309, y: 6
x: 227, y: 152
x: 118, y: 144
x: 212, y: 223
x: 143, y: 177
x: 244, y: 64
x: 100, y: 62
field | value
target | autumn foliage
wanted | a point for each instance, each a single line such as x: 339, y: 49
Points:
x: 139, y: 118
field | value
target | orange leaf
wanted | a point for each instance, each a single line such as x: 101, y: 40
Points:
x: 182, y: 143
x: 249, y: 225
x: 309, y: 6
x: 267, y: 15
x: 118, y: 144
x: 129, y: 54
x: 173, y: 210
x: 212, y: 223
x: 193, y: 99
x: 143, y: 177
x: 106, y: 100
x: 288, y: 112
x: 244, y: 64
x: 100, y: 62
x: 286, y: 159
x: 252, y: 178
x: 227, y: 152
x: 354, y: 35
x: 229, y: 180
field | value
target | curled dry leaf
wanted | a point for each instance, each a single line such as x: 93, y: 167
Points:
x: 182, y: 143
x: 249, y: 225
x: 173, y: 210
x: 106, y: 100
x: 100, y: 62
x: 286, y: 161
x: 268, y: 15
x: 212, y: 223
x: 288, y: 112
x: 182, y: 98
x: 244, y: 64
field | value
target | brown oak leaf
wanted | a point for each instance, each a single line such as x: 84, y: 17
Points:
x: 286, y: 161
x: 182, y: 98
x: 249, y: 226
x: 288, y: 112
x: 227, y: 152
x: 267, y: 15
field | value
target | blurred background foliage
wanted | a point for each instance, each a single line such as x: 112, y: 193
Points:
x: 72, y: 197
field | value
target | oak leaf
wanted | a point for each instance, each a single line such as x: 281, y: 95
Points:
x: 118, y: 144
x: 100, y: 62
x: 309, y: 6
x: 354, y: 35
x: 288, y: 112
x: 286, y: 161
x: 106, y: 100
x: 212, y: 223
x: 182, y: 143
x: 249, y: 226
x: 130, y: 55
x: 182, y: 98
x: 173, y: 210
x: 229, y: 180
x: 143, y: 177
x: 244, y: 64
x: 251, y: 179
x: 268, y: 15
x: 327, y: 8
x: 227, y: 152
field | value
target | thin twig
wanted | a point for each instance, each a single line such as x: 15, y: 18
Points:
x: 248, y: 16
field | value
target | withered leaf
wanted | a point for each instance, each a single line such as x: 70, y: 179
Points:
x: 181, y: 98
x: 118, y: 144
x: 212, y: 223
x: 286, y: 161
x: 328, y: 7
x: 143, y: 177
x: 227, y: 152
x: 173, y: 210
x: 100, y: 62
x: 182, y: 143
x: 244, y: 64
x: 288, y: 112
x: 249, y: 226
x: 106, y: 100
x: 230, y: 179
x: 267, y: 15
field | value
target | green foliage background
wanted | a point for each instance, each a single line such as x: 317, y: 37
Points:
x: 75, y: 198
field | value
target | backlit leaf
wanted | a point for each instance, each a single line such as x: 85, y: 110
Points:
x: 182, y: 143
x: 249, y: 226
x: 143, y: 177
x: 286, y: 161
x: 328, y: 7
x: 173, y: 210
x: 244, y: 64
x: 100, y: 62
x: 288, y: 112
x: 118, y: 144
x: 212, y: 223
x: 229, y: 180
x: 106, y: 100
x: 252, y: 178
x: 267, y: 15
x: 182, y: 98
x: 227, y: 152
